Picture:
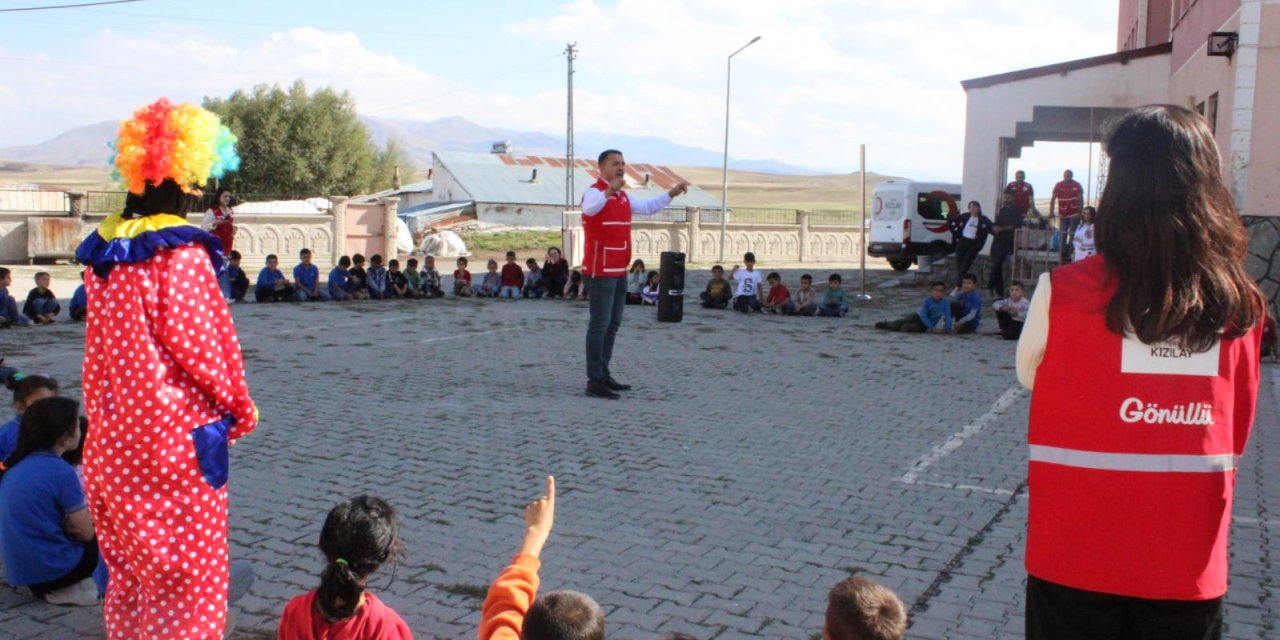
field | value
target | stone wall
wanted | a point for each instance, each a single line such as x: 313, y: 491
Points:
x: 1264, y: 256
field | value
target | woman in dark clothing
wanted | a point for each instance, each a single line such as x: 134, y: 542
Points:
x: 555, y: 273
x: 969, y: 235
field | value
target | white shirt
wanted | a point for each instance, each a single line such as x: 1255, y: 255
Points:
x: 1016, y: 310
x: 748, y: 282
x: 1035, y: 334
x: 593, y: 202
x: 1083, y: 242
x: 971, y: 228
x: 209, y: 218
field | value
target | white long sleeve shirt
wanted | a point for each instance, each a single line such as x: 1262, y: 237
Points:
x: 593, y: 202
x: 1035, y: 334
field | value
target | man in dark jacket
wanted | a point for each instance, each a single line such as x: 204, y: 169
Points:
x: 1008, y: 221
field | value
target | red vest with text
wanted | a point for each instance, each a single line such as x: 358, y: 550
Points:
x: 606, y: 250
x: 1133, y: 450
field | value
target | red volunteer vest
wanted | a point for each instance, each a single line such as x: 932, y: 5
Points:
x: 1133, y: 451
x: 607, y: 247
x: 226, y: 232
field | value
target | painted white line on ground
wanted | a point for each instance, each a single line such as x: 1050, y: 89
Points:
x: 466, y: 335
x: 1246, y: 520
x: 963, y: 487
x: 957, y: 440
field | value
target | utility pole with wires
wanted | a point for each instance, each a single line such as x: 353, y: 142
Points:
x: 570, y: 51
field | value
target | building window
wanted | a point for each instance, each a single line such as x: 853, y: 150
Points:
x: 1211, y: 113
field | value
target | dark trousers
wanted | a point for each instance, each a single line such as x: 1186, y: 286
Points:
x: 966, y: 252
x: 715, y: 302
x: 83, y: 569
x: 999, y: 253
x: 606, y: 298
x: 555, y: 286
x: 1058, y: 612
x: 1010, y: 329
x: 746, y: 304
x: 271, y: 294
x: 908, y: 324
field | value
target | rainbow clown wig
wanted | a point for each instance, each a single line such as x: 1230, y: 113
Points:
x: 182, y: 143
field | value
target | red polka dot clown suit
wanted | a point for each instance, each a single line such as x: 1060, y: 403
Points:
x: 164, y: 385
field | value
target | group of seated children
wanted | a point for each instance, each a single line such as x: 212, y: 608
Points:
x: 749, y: 295
x: 513, y: 282
x: 347, y: 281
x: 962, y: 311
x: 642, y: 285
x: 361, y: 534
x: 41, y: 307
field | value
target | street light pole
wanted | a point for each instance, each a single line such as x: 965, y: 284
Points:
x: 724, y: 187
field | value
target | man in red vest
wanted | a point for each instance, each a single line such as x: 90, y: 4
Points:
x: 1066, y: 203
x: 1024, y: 196
x: 606, y: 221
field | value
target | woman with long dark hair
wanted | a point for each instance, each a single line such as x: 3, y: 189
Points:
x: 1143, y: 362
x: 969, y: 231
x: 220, y: 220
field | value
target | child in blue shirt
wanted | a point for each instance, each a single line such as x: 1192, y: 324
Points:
x: 46, y: 534
x: 26, y: 390
x: 377, y: 278
x: 340, y: 285
x: 272, y: 285
x: 237, y: 281
x: 966, y: 306
x: 307, y: 276
x: 79, y: 306
x: 933, y: 316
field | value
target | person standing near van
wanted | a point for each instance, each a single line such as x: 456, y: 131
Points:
x: 1024, y: 196
x: 606, y: 223
x: 1008, y: 221
x: 1131, y: 491
x: 969, y: 231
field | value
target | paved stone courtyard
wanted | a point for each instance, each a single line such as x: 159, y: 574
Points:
x: 759, y: 461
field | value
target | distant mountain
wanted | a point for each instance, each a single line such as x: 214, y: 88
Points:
x: 87, y: 145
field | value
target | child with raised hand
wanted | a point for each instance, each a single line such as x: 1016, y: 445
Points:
x: 359, y: 536
x: 650, y: 292
x: 42, y: 306
x: 46, y: 533
x: 26, y: 389
x: 510, y: 611
x: 863, y: 609
x: 637, y: 279
x: 746, y: 298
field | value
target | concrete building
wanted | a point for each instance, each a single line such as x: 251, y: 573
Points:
x: 530, y: 190
x: 1220, y: 57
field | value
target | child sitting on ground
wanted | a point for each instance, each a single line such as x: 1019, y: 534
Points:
x: 779, y: 298
x: 637, y: 278
x: 510, y: 610
x: 492, y: 282
x: 1011, y: 312
x: 934, y: 314
x: 236, y: 278
x: 717, y: 294
x: 533, y: 287
x: 272, y: 286
x: 966, y: 306
x: 862, y: 609
x: 413, y: 279
x: 42, y: 306
x: 377, y: 278
x: 341, y: 286
x: 649, y: 295
x: 46, y: 533
x: 432, y: 283
x: 397, y: 284
x: 834, y: 302
x: 359, y: 536
x: 79, y: 306
x: 9, y: 315
x: 461, y: 279
x: 512, y: 278
x: 26, y: 390
x: 806, y: 297
x: 747, y: 296
x: 573, y: 289
x: 358, y: 279
x: 307, y: 277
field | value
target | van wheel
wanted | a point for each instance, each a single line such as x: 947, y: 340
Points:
x: 900, y: 264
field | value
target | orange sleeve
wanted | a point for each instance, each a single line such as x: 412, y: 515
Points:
x: 509, y: 598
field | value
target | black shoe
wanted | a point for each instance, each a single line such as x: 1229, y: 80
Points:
x: 615, y: 385
x: 601, y: 390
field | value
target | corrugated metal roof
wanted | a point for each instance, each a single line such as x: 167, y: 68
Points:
x: 506, y: 179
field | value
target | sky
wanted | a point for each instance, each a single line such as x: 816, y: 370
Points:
x: 825, y: 76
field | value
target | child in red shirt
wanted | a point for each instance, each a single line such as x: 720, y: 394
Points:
x: 462, y: 280
x: 358, y: 536
x: 779, y: 298
x: 512, y: 277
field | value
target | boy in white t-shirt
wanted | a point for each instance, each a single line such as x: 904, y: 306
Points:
x: 748, y: 292
x: 1011, y: 312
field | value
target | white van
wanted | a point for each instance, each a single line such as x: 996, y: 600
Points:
x: 909, y: 219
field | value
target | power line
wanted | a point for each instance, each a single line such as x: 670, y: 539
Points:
x: 69, y: 6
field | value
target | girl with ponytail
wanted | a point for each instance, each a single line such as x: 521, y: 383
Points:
x: 359, y: 536
x: 26, y: 390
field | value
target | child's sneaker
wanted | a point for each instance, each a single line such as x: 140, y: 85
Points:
x: 80, y: 594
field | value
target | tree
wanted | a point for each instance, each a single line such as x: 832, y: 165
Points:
x: 295, y: 142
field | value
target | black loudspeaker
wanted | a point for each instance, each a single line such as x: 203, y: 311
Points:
x: 671, y: 287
